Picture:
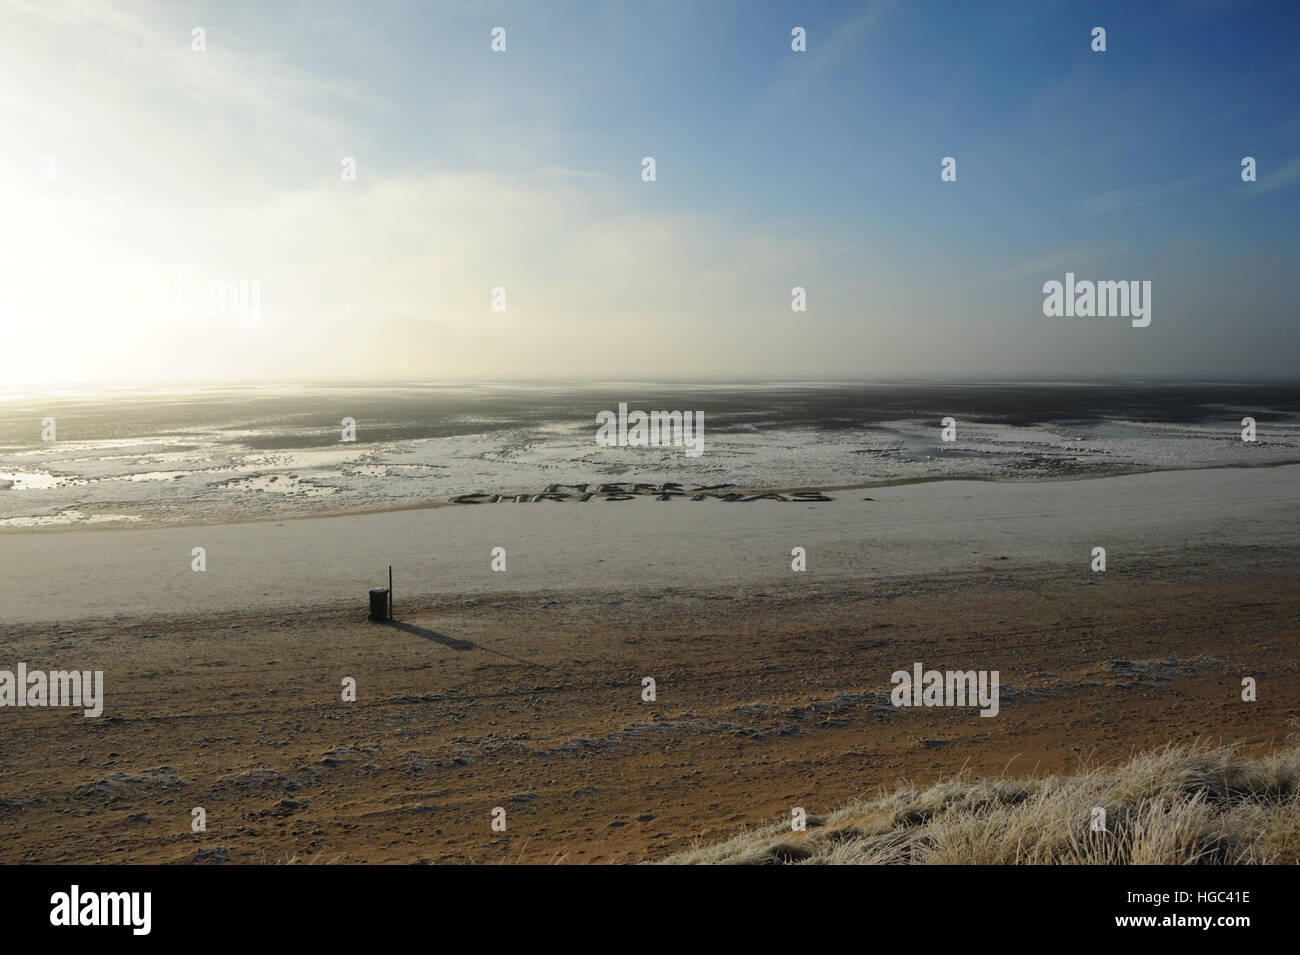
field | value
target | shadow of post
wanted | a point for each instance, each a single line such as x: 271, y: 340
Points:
x: 427, y: 634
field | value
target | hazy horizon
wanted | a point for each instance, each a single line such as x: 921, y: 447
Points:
x: 631, y: 383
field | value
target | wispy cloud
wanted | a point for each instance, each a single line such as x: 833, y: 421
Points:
x: 1121, y: 199
x: 1060, y: 260
x: 1286, y: 176
x: 574, y: 173
x: 797, y: 76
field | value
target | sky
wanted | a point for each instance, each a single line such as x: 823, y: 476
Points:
x: 135, y: 169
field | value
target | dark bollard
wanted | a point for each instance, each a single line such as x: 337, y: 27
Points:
x: 379, y: 603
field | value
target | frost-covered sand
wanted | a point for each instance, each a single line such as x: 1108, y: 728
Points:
x: 523, y: 689
x: 644, y: 544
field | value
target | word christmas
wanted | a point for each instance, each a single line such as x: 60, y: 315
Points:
x: 626, y: 492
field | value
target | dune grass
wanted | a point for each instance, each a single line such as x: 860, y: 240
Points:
x: 1178, y: 805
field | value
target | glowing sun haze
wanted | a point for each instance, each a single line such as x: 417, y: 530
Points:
x: 134, y: 165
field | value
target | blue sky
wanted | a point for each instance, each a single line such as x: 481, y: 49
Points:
x: 1056, y: 136
x: 774, y: 168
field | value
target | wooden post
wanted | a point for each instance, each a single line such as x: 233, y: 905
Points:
x: 390, y: 591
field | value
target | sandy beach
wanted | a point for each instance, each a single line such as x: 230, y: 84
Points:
x: 523, y: 689
x: 866, y: 536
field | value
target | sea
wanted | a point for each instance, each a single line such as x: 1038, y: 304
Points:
x: 255, y: 452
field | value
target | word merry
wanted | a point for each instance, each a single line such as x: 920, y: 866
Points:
x: 57, y: 688
x: 658, y: 429
x: 1101, y: 299
x: 952, y: 688
x: 626, y: 492
x: 103, y: 908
